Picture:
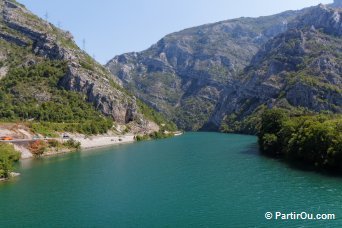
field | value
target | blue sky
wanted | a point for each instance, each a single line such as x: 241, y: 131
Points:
x: 112, y: 27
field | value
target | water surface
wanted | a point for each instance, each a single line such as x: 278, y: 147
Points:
x: 196, y: 180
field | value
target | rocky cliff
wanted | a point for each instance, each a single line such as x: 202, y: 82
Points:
x: 298, y: 70
x: 184, y: 74
x: 33, y: 40
x: 223, y: 74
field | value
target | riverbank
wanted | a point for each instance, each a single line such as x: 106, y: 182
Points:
x: 309, y: 141
x: 12, y: 174
x: 103, y: 141
x: 85, y: 143
x: 24, y: 137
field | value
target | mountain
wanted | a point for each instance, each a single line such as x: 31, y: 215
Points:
x: 184, y: 74
x: 298, y: 70
x: 46, y: 77
x: 337, y: 4
x: 220, y: 75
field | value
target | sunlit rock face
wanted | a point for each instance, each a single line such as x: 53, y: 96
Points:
x: 202, y: 76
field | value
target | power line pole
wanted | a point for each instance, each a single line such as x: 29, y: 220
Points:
x: 46, y: 16
x: 84, y: 44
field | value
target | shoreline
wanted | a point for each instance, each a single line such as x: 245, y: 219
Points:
x: 88, y: 143
x: 12, y: 175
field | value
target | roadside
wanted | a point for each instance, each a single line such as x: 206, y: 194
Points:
x: 32, y: 145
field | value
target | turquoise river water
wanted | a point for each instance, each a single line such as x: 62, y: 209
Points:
x: 195, y: 180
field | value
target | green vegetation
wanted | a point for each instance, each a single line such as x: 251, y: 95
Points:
x: 91, y: 127
x: 7, y: 158
x: 154, y: 135
x: 39, y: 147
x: 72, y: 144
x: 312, y: 140
x: 32, y: 92
x: 87, y: 62
x: 248, y: 125
x: 193, y: 113
x: 156, y: 117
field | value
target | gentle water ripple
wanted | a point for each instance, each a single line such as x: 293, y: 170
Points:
x: 197, y: 180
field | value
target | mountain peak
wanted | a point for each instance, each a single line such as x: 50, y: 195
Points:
x: 337, y: 3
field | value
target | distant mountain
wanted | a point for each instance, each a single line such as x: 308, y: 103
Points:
x: 298, y: 70
x: 46, y: 77
x: 337, y: 4
x: 184, y: 74
x: 221, y: 75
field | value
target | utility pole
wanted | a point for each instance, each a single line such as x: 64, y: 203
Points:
x: 46, y: 16
x: 84, y: 44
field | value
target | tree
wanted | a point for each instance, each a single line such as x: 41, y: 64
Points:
x: 271, y: 123
x: 38, y: 148
x: 8, y: 156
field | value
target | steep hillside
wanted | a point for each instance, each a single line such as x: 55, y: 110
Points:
x: 223, y: 75
x: 46, y: 77
x: 184, y: 74
x: 299, y: 70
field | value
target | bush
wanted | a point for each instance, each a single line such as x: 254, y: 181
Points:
x: 8, y: 156
x: 54, y: 143
x: 142, y: 138
x: 38, y: 148
x: 154, y: 135
x: 72, y: 144
x: 270, y: 144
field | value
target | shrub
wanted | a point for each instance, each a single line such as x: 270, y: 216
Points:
x: 38, y: 148
x: 72, y: 144
x: 54, y: 143
x: 154, y: 135
x: 8, y: 156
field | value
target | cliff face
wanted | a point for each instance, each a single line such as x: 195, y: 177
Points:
x: 22, y: 30
x: 298, y: 69
x: 184, y: 74
x: 224, y: 73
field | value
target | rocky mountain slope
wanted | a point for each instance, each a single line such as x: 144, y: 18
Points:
x: 184, y: 74
x: 39, y: 61
x: 298, y: 70
x: 223, y: 73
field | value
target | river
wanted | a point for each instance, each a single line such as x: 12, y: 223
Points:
x: 195, y: 180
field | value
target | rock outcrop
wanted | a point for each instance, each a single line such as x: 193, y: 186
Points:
x: 300, y: 68
x: 225, y: 73
x: 184, y: 74
x: 20, y: 27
